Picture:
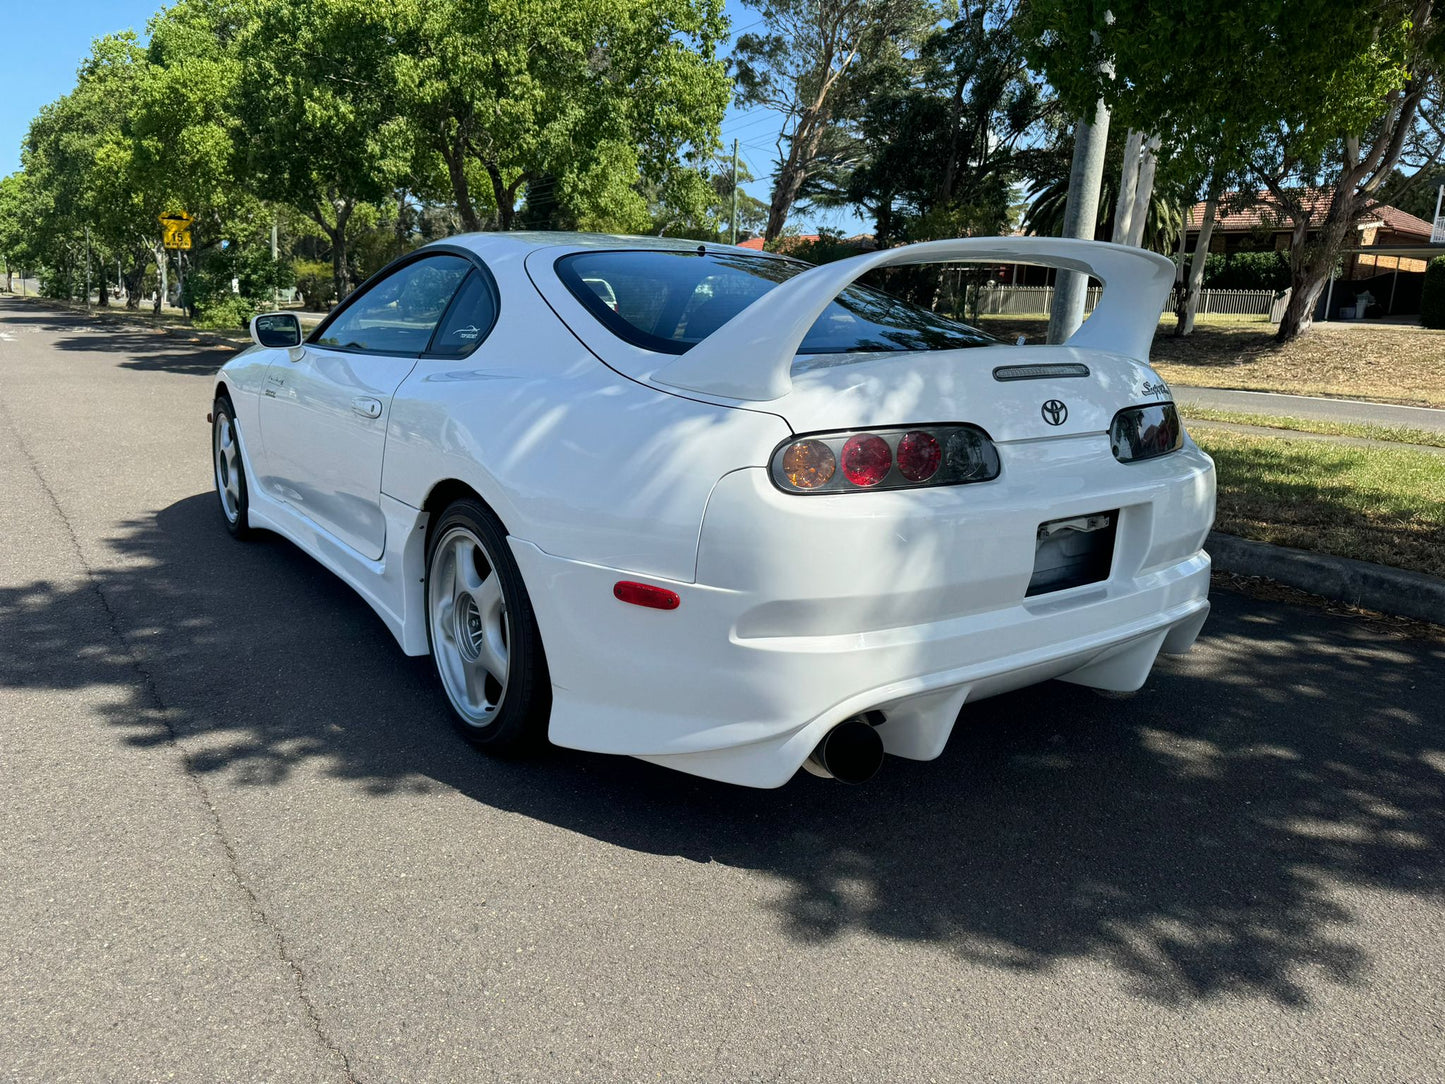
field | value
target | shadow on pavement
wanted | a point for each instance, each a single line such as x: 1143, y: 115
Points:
x: 1190, y: 836
x: 138, y: 348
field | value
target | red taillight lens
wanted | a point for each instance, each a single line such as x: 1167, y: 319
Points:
x: 645, y: 594
x: 919, y: 456
x: 866, y: 459
x: 946, y: 454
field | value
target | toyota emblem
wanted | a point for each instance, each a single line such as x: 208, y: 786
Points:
x: 1054, y: 412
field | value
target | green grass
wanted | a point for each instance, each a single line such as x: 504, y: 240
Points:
x: 1394, y: 434
x: 1384, y: 505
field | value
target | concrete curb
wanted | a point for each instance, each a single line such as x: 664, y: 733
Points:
x: 1358, y: 583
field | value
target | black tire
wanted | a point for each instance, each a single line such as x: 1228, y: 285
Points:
x: 232, y: 492
x: 458, y: 616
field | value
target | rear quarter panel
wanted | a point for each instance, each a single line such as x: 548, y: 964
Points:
x: 573, y: 457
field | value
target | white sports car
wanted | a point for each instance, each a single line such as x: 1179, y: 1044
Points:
x: 720, y: 510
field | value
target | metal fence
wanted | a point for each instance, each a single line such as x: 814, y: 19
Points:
x: 1037, y: 300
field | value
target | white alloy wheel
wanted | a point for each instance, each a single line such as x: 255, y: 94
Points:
x: 228, y: 467
x: 470, y: 627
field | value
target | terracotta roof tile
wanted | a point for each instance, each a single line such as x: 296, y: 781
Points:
x: 1264, y: 213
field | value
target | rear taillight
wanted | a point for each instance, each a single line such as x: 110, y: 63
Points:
x: 911, y: 458
x: 1144, y: 432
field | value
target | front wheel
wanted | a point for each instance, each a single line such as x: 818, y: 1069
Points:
x: 230, y: 473
x: 483, y: 633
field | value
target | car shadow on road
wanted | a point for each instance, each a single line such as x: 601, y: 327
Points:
x: 1190, y: 837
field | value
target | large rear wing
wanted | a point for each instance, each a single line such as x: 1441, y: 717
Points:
x: 751, y: 356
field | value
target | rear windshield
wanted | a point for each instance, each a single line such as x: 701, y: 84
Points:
x: 668, y: 301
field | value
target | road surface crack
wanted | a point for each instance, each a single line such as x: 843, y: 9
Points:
x: 145, y: 681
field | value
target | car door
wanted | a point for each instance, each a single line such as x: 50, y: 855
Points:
x: 325, y: 406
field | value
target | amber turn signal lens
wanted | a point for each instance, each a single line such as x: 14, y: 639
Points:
x: 808, y: 464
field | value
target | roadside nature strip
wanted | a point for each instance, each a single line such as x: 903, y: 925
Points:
x: 1383, y: 505
x: 1387, y: 363
x: 1394, y: 434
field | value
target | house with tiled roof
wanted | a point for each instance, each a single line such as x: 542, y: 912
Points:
x: 1261, y: 226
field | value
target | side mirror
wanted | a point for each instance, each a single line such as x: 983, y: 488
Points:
x: 276, y: 329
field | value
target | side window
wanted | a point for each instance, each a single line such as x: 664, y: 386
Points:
x: 468, y: 320
x: 399, y: 313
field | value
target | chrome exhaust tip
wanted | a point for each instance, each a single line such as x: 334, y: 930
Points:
x: 852, y: 752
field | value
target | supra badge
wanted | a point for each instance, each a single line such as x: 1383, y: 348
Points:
x: 1054, y: 412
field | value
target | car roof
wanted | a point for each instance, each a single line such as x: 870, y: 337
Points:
x: 520, y: 242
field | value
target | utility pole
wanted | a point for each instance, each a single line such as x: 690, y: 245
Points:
x: 1081, y: 214
x: 87, y: 267
x: 735, y: 194
x: 275, y: 290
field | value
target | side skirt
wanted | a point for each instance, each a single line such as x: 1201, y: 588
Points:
x: 391, y: 586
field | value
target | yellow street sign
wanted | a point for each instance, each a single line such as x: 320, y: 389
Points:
x: 177, y: 229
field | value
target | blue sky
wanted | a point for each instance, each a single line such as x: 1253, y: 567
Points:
x: 42, y: 44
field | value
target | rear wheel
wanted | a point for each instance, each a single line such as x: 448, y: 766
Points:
x: 230, y: 473
x: 483, y: 634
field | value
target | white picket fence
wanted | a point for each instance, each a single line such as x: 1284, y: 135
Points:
x: 1037, y: 301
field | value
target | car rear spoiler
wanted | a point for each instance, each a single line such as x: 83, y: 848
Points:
x: 751, y: 356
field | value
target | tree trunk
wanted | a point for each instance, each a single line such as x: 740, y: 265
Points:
x: 1128, y: 184
x: 1143, y: 192
x: 794, y: 171
x: 1081, y: 218
x: 1311, y: 263
x: 340, y: 265
x: 506, y: 197
x: 461, y: 190
x: 134, y: 279
x: 883, y: 222
x: 340, y: 272
x: 1196, y: 266
x: 160, y: 256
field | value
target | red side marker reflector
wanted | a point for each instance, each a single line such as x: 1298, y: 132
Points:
x: 644, y: 594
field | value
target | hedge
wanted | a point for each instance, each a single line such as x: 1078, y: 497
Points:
x: 1432, y: 294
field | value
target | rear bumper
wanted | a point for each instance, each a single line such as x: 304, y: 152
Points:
x: 805, y: 615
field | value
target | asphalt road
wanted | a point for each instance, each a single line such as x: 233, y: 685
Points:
x: 1355, y: 411
x: 239, y: 841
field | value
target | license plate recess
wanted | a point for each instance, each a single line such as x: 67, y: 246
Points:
x: 1073, y: 551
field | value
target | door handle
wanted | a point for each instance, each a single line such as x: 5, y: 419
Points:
x: 367, y: 408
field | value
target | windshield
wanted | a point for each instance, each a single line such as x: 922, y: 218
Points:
x: 668, y: 301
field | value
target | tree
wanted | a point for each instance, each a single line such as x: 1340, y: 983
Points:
x: 17, y: 225
x: 1164, y: 211
x: 1234, y: 90
x: 941, y: 138
x: 699, y: 203
x: 569, y: 107
x: 77, y: 162
x: 321, y: 123
x: 810, y: 64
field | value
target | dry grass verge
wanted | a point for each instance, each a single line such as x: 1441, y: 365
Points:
x: 1384, y: 362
